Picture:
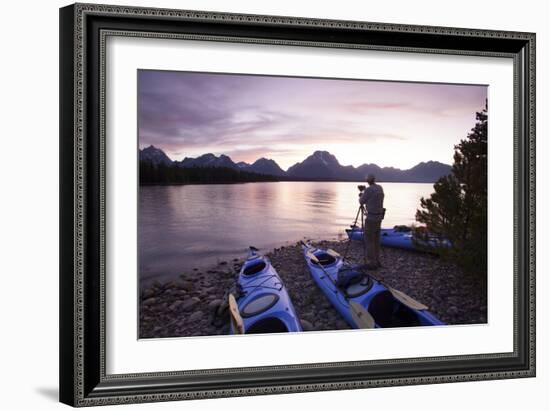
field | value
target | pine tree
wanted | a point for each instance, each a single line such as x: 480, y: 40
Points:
x: 457, y: 210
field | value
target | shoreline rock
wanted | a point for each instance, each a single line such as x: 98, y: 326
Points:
x: 191, y: 305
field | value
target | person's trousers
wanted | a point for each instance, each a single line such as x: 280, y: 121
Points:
x: 372, y: 241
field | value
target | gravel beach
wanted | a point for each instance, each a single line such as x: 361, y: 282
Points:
x: 190, y: 305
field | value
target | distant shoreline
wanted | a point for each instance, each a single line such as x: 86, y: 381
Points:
x: 278, y: 181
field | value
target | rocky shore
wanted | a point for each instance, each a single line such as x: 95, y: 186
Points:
x: 193, y: 304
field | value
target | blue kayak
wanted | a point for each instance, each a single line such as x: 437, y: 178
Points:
x: 388, y: 307
x: 398, y: 238
x: 263, y: 301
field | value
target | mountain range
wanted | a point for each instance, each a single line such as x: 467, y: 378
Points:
x: 321, y: 165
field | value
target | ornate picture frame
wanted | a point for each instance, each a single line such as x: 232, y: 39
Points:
x: 84, y: 29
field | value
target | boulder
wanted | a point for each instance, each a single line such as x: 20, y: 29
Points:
x: 306, y: 325
x: 150, y: 301
x: 196, y: 316
x: 148, y: 293
x: 214, y: 303
x: 175, y: 305
x: 186, y: 285
x: 189, y: 304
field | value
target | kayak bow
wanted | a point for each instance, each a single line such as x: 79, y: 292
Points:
x: 264, y: 305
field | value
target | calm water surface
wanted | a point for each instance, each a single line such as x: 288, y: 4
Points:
x: 196, y: 226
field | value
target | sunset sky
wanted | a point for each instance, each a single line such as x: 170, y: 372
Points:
x: 286, y: 119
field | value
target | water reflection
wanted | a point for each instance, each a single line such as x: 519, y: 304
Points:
x: 320, y: 199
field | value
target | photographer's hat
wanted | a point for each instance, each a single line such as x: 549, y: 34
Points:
x: 371, y: 177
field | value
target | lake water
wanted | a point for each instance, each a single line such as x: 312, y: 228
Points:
x: 196, y: 226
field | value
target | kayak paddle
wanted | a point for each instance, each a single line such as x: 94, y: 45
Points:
x: 405, y: 299
x: 235, y: 315
x: 358, y: 315
x: 398, y: 295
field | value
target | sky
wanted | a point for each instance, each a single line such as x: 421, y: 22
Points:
x: 392, y: 124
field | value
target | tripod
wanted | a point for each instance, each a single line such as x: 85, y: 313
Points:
x: 360, y: 211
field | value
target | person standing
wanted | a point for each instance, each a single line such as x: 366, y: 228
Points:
x: 372, y: 199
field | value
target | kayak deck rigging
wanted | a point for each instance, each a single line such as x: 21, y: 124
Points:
x: 277, y: 285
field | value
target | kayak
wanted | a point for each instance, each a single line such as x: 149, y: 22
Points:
x: 264, y: 305
x: 399, y: 237
x: 349, y: 285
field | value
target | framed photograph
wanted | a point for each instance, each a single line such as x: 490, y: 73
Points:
x: 261, y: 204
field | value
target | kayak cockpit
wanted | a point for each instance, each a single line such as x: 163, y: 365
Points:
x: 388, y: 312
x: 254, y: 267
x: 324, y: 259
x: 267, y: 325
